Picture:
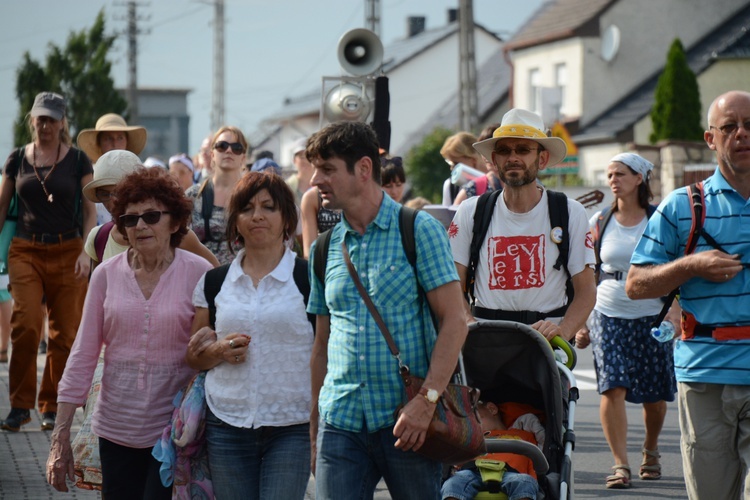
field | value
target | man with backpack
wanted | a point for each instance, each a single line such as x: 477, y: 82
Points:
x: 357, y: 391
x: 525, y: 254
x: 699, y: 241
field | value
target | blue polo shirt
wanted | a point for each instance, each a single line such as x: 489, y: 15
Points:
x: 362, y: 387
x: 704, y: 359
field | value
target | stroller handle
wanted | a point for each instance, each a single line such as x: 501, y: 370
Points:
x: 564, y: 346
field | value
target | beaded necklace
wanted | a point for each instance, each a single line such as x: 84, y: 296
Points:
x: 43, y: 181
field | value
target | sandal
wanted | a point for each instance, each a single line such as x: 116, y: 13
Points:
x: 650, y: 467
x: 620, y: 480
x: 4, y: 356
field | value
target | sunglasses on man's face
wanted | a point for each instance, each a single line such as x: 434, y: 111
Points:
x: 103, y: 194
x: 236, y: 147
x: 150, y: 218
x: 521, y: 150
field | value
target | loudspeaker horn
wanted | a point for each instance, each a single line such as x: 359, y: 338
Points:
x: 347, y: 101
x: 360, y: 52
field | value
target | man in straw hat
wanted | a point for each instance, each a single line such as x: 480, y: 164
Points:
x: 518, y: 276
x: 111, y: 132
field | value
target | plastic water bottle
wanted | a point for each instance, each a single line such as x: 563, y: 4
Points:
x: 664, y: 332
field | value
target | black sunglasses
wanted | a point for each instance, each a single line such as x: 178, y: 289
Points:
x: 521, y: 150
x: 150, y: 218
x: 222, y: 147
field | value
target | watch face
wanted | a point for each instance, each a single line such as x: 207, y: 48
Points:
x: 432, y: 396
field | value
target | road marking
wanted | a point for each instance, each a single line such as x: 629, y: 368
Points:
x: 586, y: 379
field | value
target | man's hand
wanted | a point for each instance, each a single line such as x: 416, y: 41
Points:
x: 582, y: 338
x: 715, y: 265
x: 547, y: 328
x: 413, y: 421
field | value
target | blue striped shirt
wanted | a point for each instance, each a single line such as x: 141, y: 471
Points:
x: 714, y: 304
x: 362, y: 386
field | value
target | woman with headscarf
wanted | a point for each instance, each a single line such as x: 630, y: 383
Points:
x: 46, y: 257
x: 630, y: 365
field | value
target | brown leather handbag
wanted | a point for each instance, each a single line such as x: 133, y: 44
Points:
x: 455, y: 434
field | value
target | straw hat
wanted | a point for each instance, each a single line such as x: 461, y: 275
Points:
x: 522, y: 124
x: 111, y: 168
x: 111, y: 122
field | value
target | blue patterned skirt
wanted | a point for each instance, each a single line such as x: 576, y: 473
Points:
x: 625, y: 355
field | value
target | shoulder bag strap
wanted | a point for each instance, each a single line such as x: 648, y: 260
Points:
x: 368, y: 302
x: 211, y: 288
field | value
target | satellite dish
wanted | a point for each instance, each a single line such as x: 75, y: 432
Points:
x: 610, y: 42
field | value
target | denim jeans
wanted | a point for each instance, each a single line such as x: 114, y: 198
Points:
x: 464, y: 485
x: 350, y: 464
x: 267, y: 462
x: 130, y: 473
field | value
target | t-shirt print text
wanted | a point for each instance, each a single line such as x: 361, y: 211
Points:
x: 516, y: 262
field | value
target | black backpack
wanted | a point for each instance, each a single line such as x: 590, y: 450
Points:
x: 406, y: 216
x: 215, y: 278
x: 558, y: 214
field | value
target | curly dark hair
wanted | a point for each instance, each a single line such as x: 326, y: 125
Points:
x: 153, y: 184
x: 348, y: 141
x: 250, y: 185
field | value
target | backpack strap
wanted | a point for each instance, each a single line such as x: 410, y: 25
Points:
x: 558, y: 215
x: 211, y: 288
x: 697, y: 200
x: 100, y: 240
x: 482, y: 218
x: 601, y: 224
x: 322, y: 242
x: 207, y: 208
x: 302, y: 280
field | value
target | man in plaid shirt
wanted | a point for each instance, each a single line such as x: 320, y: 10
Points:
x: 358, y: 435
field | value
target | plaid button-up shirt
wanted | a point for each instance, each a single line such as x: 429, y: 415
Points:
x: 362, y: 386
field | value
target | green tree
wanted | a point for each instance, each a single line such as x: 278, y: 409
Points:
x: 426, y: 169
x: 677, y: 106
x: 80, y: 71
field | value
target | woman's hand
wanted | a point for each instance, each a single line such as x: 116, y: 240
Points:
x: 233, y: 348
x: 60, y: 463
x: 83, y: 267
x: 582, y: 338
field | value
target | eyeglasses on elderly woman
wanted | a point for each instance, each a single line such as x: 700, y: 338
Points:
x: 152, y: 217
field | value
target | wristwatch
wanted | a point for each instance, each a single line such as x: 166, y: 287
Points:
x: 430, y: 395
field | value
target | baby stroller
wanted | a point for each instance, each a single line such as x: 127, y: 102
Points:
x: 511, y: 362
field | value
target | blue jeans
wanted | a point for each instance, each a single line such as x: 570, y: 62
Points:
x: 464, y: 485
x: 350, y: 464
x: 267, y: 462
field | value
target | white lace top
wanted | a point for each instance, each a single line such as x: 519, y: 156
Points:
x: 272, y: 388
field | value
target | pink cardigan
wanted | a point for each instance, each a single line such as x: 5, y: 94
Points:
x: 146, y: 342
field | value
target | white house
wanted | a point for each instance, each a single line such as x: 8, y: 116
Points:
x: 593, y: 64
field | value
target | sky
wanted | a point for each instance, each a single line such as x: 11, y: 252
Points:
x: 273, y: 48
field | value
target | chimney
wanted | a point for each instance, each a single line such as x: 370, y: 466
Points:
x: 452, y: 15
x: 414, y: 25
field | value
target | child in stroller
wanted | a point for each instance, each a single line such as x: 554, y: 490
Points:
x: 514, y: 474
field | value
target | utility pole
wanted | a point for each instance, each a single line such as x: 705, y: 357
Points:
x: 132, y: 33
x: 217, y: 100
x: 372, y: 16
x: 469, y: 114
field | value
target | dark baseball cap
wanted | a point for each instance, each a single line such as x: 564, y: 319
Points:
x: 49, y: 104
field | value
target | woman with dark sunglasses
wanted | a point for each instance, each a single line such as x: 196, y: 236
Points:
x: 228, y: 153
x: 140, y: 307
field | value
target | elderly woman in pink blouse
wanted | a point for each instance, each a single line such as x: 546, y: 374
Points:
x: 139, y: 306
